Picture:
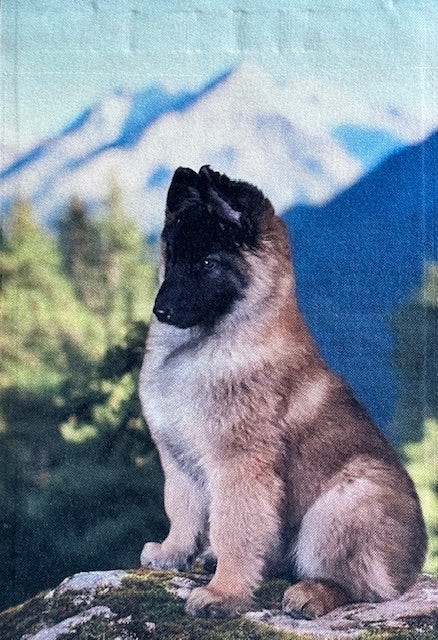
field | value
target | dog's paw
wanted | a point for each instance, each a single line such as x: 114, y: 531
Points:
x: 154, y: 556
x: 205, y: 603
x: 311, y: 599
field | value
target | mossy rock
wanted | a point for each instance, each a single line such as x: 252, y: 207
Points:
x: 149, y: 605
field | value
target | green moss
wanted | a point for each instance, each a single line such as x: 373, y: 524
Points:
x: 145, y: 598
x: 66, y: 605
x: 417, y: 633
x: 270, y: 594
x: 94, y: 629
x: 39, y: 612
x: 418, y: 627
x: 24, y: 618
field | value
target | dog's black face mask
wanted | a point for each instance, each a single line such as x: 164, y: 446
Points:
x: 207, y: 227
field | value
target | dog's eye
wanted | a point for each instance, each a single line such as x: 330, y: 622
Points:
x: 208, y: 263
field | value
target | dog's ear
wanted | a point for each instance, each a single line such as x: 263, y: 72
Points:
x: 184, y: 186
x: 240, y: 203
x: 214, y: 191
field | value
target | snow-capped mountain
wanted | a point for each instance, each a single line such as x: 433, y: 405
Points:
x: 8, y: 154
x: 362, y: 215
x: 299, y: 142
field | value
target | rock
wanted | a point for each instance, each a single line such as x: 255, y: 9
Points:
x: 87, y: 583
x: 148, y: 604
x: 181, y: 586
x: 416, y: 610
x: 70, y: 624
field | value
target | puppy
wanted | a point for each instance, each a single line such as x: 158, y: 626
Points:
x: 270, y: 463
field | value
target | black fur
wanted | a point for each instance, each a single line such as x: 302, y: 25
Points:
x: 237, y: 204
x: 209, y: 220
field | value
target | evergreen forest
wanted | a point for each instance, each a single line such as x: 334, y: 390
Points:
x: 80, y: 483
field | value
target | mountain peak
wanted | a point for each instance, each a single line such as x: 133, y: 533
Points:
x: 280, y: 136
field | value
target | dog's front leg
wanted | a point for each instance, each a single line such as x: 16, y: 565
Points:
x: 244, y: 529
x: 186, y: 508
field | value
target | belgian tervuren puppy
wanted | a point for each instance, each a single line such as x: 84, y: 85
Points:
x: 270, y: 463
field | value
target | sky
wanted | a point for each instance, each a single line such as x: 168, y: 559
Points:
x: 58, y: 56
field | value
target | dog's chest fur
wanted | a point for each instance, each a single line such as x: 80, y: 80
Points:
x: 194, y: 395
x: 175, y: 391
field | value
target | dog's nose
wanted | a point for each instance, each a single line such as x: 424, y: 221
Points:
x: 163, y: 314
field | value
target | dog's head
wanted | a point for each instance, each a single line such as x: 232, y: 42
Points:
x: 211, y: 221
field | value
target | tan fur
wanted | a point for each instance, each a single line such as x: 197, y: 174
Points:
x: 180, y: 498
x: 313, y: 598
x: 269, y: 459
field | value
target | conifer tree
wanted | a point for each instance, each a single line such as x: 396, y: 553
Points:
x: 41, y: 318
x: 42, y: 322
x: 63, y: 421
x: 129, y: 276
x: 82, y: 250
x: 23, y: 224
x: 422, y: 464
x: 415, y: 357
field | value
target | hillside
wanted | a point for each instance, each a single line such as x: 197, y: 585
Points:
x: 360, y: 256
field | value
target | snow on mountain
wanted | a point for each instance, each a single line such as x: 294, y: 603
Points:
x: 299, y: 142
x: 8, y: 154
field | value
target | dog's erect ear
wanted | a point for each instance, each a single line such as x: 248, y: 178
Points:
x: 214, y: 184
x: 238, y: 202
x: 184, y: 186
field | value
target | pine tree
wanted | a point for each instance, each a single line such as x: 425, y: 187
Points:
x: 415, y: 357
x: 40, y: 313
x: 422, y: 464
x: 81, y: 484
x: 82, y: 250
x: 23, y: 225
x: 47, y: 335
x: 130, y: 277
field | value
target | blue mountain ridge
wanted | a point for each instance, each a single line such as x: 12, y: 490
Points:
x: 369, y: 145
x: 148, y: 105
x: 361, y: 255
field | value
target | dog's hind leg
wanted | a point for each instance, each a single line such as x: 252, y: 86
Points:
x: 186, y: 508
x: 361, y: 540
